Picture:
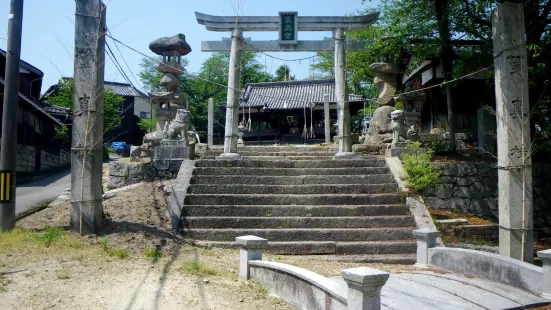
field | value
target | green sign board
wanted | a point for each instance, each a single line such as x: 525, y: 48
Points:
x: 288, y: 27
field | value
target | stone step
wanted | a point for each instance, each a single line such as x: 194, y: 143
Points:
x: 279, y: 148
x: 293, y: 210
x: 319, y: 163
x: 293, y: 189
x: 288, y: 171
x: 328, y: 247
x: 290, y: 180
x: 276, y: 154
x: 402, y: 259
x: 271, y: 199
x: 304, y: 234
x: 298, y: 222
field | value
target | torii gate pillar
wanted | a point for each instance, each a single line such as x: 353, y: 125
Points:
x: 341, y: 95
x: 232, y: 103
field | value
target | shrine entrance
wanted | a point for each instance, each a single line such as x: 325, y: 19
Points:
x: 288, y: 24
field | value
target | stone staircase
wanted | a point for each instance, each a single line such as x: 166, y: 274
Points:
x: 303, y: 201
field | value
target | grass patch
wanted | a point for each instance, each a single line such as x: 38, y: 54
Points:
x: 51, y: 235
x: 196, y: 268
x: 118, y: 253
x: 153, y: 253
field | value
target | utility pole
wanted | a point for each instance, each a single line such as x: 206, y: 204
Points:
x: 9, y: 122
x: 87, y: 144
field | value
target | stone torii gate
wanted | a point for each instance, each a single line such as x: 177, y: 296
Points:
x: 288, y: 24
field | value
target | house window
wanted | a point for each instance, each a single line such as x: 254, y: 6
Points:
x: 145, y: 115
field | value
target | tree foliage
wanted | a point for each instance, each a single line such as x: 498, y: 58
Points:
x: 63, y: 97
x: 413, y: 26
x: 210, y: 82
x: 283, y: 73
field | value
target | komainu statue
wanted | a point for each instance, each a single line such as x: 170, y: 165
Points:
x: 401, y: 132
x: 177, y: 129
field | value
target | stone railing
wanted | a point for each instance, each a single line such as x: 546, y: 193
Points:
x: 305, y: 289
x: 490, y: 266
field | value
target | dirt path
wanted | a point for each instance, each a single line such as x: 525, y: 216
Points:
x: 136, y: 262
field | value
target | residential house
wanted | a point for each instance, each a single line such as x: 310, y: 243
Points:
x: 135, y: 106
x: 37, y: 148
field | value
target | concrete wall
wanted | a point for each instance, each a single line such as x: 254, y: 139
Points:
x: 141, y: 105
x: 299, y: 287
x: 26, y: 159
x: 472, y: 188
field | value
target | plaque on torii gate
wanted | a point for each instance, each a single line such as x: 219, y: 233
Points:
x: 288, y: 24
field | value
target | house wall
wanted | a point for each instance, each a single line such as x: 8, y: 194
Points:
x: 141, y: 105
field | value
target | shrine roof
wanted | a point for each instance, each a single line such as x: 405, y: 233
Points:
x: 290, y: 95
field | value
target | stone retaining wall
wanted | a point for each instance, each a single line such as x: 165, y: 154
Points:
x: 123, y: 174
x: 482, y: 232
x: 472, y: 188
x: 49, y: 161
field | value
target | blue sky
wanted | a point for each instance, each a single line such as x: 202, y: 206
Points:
x: 48, y: 29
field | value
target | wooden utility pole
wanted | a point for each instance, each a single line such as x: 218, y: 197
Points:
x: 516, y: 235
x: 232, y: 104
x: 87, y: 144
x: 9, y: 120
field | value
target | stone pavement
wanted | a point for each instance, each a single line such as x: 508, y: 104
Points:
x: 443, y: 290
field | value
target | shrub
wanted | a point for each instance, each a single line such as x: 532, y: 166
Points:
x: 153, y: 253
x: 421, y: 175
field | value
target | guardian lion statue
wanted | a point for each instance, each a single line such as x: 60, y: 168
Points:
x: 177, y: 129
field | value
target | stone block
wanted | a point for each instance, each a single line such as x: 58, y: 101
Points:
x: 444, y: 191
x: 115, y: 182
x: 449, y: 170
x: 364, y: 287
x: 476, y: 191
x: 486, y: 207
x: 135, y: 151
x: 174, y: 165
x: 149, y: 173
x: 547, y: 172
x: 131, y: 181
x: 466, y: 181
x: 436, y: 203
x: 426, y: 239
x: 466, y: 169
x: 118, y: 169
x: 174, y: 152
x: 447, y: 179
x: 250, y: 248
x: 161, y: 164
x: 135, y: 171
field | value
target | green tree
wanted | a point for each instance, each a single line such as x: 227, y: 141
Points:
x: 210, y: 82
x: 63, y: 97
x: 283, y: 73
x: 459, y: 33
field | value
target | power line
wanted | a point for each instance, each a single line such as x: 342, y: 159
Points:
x: 127, y: 66
x: 305, y: 101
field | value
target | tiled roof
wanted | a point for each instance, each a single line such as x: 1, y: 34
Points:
x: 35, y: 104
x: 289, y: 95
x: 122, y: 89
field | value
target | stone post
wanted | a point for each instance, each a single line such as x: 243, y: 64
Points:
x: 364, y: 287
x: 87, y: 147
x: 232, y: 108
x: 545, y: 257
x: 513, y: 132
x: 327, y: 118
x: 210, y: 126
x: 341, y: 96
x: 426, y: 239
x: 250, y: 248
